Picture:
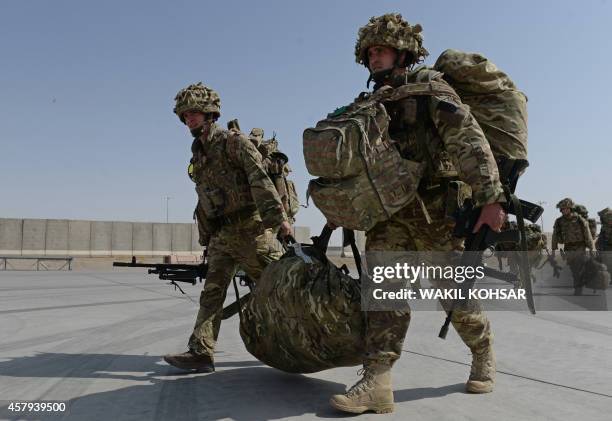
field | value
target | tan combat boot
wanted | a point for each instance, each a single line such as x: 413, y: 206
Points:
x: 191, y: 361
x: 371, y: 393
x: 482, y: 374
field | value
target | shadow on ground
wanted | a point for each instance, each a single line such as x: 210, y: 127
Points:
x: 241, y: 390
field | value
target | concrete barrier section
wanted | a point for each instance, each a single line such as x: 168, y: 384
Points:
x: 162, y: 239
x: 181, y: 238
x: 195, y: 238
x: 121, y: 244
x: 34, y: 231
x: 10, y: 236
x: 101, y: 238
x: 142, y: 238
x: 79, y: 238
x: 56, y: 238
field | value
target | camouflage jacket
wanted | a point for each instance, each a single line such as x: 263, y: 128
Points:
x: 440, y: 131
x: 231, y: 182
x: 604, y: 241
x: 571, y: 229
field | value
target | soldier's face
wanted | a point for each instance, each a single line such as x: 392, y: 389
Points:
x: 565, y: 211
x: 193, y: 119
x: 381, y: 58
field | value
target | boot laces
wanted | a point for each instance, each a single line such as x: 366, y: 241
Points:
x: 481, y: 363
x: 363, y: 384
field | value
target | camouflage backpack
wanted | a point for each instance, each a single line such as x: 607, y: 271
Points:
x: 582, y: 211
x: 304, y: 314
x: 276, y: 165
x: 494, y: 100
x: 362, y: 177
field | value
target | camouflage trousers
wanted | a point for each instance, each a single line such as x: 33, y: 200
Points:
x: 606, y: 258
x: 408, y: 230
x: 246, y: 245
x: 575, y: 256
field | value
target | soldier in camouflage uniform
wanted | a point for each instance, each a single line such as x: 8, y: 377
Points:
x: 572, y: 230
x: 604, y: 240
x: 536, y: 243
x: 389, y: 47
x: 238, y: 214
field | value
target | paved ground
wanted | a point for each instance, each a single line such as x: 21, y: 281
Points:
x: 93, y: 340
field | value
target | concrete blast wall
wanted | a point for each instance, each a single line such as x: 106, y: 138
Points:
x: 61, y: 237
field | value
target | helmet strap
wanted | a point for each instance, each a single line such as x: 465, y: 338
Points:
x: 379, y: 78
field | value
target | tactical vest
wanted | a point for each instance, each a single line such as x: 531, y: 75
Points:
x: 416, y: 136
x: 221, y: 185
x: 570, y: 230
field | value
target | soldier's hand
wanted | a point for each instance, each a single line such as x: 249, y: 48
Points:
x: 285, y: 229
x: 492, y: 215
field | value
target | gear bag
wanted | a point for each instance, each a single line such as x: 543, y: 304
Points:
x: 304, y: 314
x: 595, y: 274
x: 494, y: 100
x: 276, y: 165
x: 362, y: 177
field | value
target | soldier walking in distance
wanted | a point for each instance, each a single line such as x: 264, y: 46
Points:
x: 572, y: 230
x: 604, y: 240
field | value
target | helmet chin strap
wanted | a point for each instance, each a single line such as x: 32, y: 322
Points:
x: 197, y: 132
x: 206, y: 125
x: 379, y: 77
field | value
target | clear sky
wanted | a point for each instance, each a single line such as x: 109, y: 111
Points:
x: 86, y: 91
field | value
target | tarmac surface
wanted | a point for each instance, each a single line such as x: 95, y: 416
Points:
x: 94, y: 340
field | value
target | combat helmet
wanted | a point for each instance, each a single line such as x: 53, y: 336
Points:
x: 566, y: 203
x: 390, y: 30
x: 256, y: 136
x: 197, y: 97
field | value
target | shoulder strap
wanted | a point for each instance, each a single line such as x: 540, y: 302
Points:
x: 431, y: 88
x: 349, y: 239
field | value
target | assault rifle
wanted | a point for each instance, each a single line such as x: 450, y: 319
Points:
x: 173, y: 272
x: 186, y: 273
x: 476, y: 243
x: 550, y: 259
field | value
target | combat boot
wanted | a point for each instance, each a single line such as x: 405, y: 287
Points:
x: 482, y: 373
x: 191, y: 361
x: 371, y: 393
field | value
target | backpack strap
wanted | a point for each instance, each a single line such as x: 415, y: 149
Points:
x: 348, y: 237
x: 431, y: 88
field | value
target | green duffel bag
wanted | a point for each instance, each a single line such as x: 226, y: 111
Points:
x: 304, y: 314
